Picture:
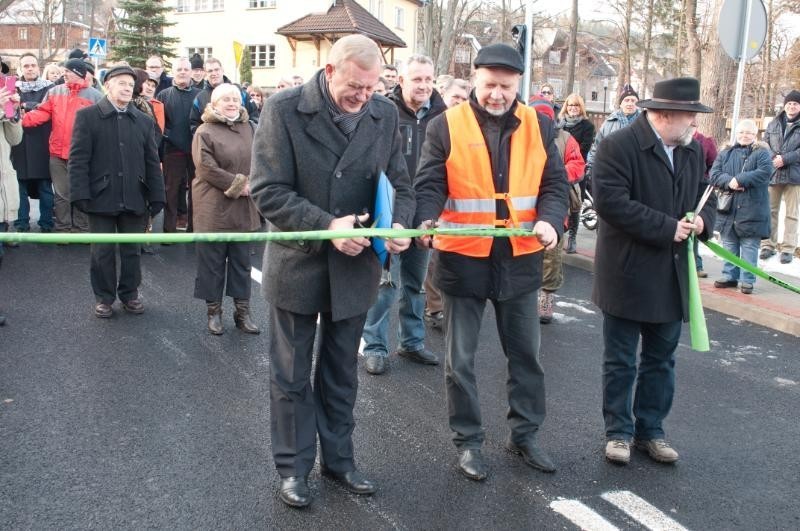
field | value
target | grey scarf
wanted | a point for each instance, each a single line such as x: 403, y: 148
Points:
x: 346, y: 122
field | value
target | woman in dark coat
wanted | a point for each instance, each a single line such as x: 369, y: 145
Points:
x: 221, y: 203
x: 744, y: 170
x: 574, y: 120
x: 31, y: 157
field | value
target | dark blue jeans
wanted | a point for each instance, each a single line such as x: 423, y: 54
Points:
x: 46, y: 201
x: 654, y: 379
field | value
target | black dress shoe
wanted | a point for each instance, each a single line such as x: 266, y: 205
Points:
x: 294, y: 492
x: 532, y: 455
x: 424, y: 356
x: 471, y: 464
x: 351, y: 480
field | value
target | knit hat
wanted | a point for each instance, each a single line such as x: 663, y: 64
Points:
x: 627, y: 90
x: 792, y: 96
x: 196, y: 61
x: 77, y: 67
x: 543, y: 106
x: 89, y: 67
x: 119, y: 70
x: 77, y: 53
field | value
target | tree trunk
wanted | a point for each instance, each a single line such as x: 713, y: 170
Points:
x: 648, y: 44
x: 446, y: 44
x: 679, y: 41
x: 695, y: 65
x: 766, y: 84
x: 717, y: 84
x: 573, y: 48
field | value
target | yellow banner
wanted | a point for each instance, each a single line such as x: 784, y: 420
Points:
x: 238, y: 50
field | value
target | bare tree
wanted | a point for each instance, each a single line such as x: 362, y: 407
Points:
x: 441, y: 24
x: 648, y: 45
x: 695, y: 66
x: 573, y: 47
x: 717, y: 83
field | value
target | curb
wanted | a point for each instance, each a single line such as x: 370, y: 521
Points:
x: 726, y: 304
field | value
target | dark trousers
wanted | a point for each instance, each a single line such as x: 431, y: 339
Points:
x: 300, y: 413
x: 103, y: 270
x: 178, y: 167
x: 215, y: 261
x: 44, y: 188
x: 654, y: 380
x: 518, y: 328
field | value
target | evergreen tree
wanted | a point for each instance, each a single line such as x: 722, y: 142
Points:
x: 245, y: 69
x: 141, y: 32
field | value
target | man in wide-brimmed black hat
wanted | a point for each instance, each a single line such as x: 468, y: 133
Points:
x: 646, y: 178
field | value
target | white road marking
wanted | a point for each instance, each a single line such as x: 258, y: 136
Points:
x: 784, y: 381
x: 256, y: 275
x: 641, y: 511
x: 583, y: 309
x: 582, y: 516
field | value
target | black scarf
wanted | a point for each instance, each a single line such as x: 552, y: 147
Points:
x: 346, y: 122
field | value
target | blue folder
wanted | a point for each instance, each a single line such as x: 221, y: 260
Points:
x: 383, y: 214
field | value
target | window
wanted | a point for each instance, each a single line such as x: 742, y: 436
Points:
x: 23, y: 34
x: 399, y: 18
x: 376, y: 9
x: 262, y: 55
x: 190, y: 6
x: 204, y: 51
x: 258, y: 4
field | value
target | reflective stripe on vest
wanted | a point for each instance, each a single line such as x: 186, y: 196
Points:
x: 472, y: 199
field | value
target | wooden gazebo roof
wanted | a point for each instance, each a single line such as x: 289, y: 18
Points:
x: 344, y: 17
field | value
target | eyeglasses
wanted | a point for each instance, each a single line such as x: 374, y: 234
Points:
x: 546, y: 92
x: 573, y: 104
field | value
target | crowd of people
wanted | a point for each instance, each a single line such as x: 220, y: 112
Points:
x: 110, y: 155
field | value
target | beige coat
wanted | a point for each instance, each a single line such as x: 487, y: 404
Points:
x: 9, y: 188
x: 221, y: 151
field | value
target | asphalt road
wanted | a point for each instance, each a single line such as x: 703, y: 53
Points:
x: 148, y: 422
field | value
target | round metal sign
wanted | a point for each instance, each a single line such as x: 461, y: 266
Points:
x: 731, y: 25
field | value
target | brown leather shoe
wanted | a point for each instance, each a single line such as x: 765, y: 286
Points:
x: 242, y: 317
x: 134, y: 306
x: 215, y: 318
x: 103, y: 310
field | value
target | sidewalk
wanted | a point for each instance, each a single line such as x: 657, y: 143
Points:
x: 769, y: 305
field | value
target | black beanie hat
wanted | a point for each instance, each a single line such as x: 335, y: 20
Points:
x: 627, y: 90
x: 77, y: 53
x: 77, y: 67
x: 196, y: 61
x: 792, y: 96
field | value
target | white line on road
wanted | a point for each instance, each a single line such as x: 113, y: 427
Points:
x: 256, y: 275
x: 582, y: 516
x: 641, y: 511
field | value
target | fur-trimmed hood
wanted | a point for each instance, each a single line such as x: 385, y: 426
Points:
x: 211, y: 117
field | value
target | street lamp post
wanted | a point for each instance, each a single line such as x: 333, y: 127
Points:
x: 605, y: 94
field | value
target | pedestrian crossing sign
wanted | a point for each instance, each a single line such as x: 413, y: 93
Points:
x: 97, y: 48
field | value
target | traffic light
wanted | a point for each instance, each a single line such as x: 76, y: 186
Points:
x: 518, y: 35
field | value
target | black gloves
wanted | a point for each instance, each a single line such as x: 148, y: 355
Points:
x: 155, y: 208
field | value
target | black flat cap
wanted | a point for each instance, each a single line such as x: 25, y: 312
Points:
x: 499, y: 56
x: 120, y: 70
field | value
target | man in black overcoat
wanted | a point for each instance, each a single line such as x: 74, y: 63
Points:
x: 115, y: 177
x: 647, y: 177
x: 317, y: 155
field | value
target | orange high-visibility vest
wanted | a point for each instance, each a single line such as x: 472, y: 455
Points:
x: 471, y: 201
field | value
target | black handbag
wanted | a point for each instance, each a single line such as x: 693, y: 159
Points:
x: 724, y: 201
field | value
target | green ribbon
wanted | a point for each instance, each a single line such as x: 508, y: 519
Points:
x: 192, y: 237
x: 697, y: 317
x: 738, y: 262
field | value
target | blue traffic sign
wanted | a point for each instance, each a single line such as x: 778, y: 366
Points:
x: 97, y: 47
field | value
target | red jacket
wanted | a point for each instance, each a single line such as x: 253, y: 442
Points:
x: 573, y: 160
x: 59, y: 107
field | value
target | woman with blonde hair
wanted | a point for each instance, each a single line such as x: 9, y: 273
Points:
x: 52, y: 72
x: 221, y: 199
x: 574, y: 120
